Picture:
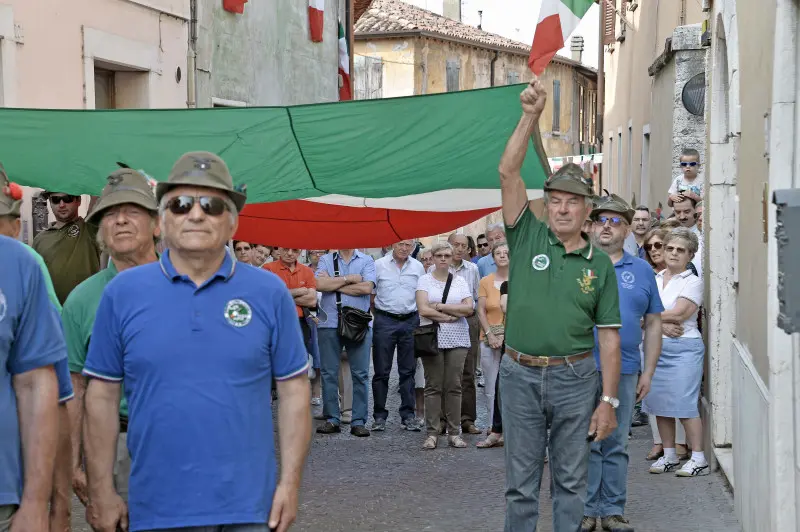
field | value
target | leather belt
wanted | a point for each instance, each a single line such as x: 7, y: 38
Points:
x: 398, y: 317
x: 543, y: 361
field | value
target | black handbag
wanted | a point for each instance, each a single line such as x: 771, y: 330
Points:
x: 426, y: 337
x: 353, y: 322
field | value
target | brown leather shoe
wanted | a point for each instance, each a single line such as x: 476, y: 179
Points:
x: 359, y: 431
x: 470, y: 428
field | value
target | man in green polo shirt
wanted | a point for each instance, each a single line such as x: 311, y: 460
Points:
x: 127, y: 216
x: 560, y: 288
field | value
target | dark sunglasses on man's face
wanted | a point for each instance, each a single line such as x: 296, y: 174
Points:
x: 484, y: 245
x: 615, y: 221
x: 211, y: 205
x: 55, y: 200
x: 654, y: 245
x: 691, y: 163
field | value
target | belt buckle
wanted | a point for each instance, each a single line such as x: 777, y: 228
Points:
x: 540, y: 361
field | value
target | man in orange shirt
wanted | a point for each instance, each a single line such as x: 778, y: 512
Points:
x: 299, y: 279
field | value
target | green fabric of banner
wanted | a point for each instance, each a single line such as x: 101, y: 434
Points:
x: 373, y: 148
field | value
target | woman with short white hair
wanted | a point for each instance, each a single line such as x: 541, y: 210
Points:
x: 675, y: 388
x: 444, y: 299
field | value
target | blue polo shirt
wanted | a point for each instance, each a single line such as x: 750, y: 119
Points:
x: 30, y: 338
x: 360, y: 264
x: 638, y: 295
x: 486, y: 265
x: 197, y: 364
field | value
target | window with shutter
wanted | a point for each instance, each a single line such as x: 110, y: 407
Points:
x: 368, y: 77
x: 453, y: 72
x: 609, y: 22
x: 556, y: 105
x: 512, y: 78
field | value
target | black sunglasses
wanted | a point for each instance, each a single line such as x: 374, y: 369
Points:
x: 55, y: 200
x: 211, y: 205
x: 654, y: 245
x: 484, y: 245
x: 692, y: 163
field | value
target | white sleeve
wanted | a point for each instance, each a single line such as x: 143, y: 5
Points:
x: 673, y: 188
x: 422, y: 284
x: 693, y: 290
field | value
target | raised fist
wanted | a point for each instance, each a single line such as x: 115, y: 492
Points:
x: 533, y: 98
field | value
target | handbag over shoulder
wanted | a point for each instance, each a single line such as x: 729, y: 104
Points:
x: 426, y: 337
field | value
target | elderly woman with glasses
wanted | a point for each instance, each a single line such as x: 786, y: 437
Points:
x: 443, y: 370
x: 675, y: 387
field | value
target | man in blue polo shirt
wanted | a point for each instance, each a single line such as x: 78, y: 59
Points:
x: 197, y: 339
x: 638, y: 300
x: 31, y: 342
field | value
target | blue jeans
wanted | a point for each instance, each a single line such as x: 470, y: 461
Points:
x: 559, y: 398
x: 608, y: 462
x: 220, y: 528
x: 313, y: 344
x: 387, y: 334
x: 330, y: 350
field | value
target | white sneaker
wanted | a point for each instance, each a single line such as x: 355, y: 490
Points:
x: 663, y: 466
x: 693, y: 468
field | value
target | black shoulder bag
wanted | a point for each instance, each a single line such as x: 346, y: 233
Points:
x: 426, y: 337
x: 353, y: 322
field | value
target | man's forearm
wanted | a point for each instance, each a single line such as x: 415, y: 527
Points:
x: 62, y: 479
x: 294, y: 434
x: 330, y: 284
x: 309, y: 299
x: 652, y: 343
x: 610, y: 363
x: 100, y: 433
x: 75, y: 410
x: 517, y: 147
x: 357, y: 289
x: 37, y: 406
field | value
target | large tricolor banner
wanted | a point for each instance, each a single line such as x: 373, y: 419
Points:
x: 557, y: 20
x: 334, y: 175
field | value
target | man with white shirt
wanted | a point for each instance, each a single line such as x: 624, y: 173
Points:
x: 395, y: 310
x: 686, y: 213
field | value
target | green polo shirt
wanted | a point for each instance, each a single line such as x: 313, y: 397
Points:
x: 555, y: 298
x: 71, y: 254
x: 78, y: 318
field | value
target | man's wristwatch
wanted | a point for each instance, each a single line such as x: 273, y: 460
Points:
x: 613, y: 401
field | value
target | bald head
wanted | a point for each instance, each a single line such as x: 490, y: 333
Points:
x: 460, y: 246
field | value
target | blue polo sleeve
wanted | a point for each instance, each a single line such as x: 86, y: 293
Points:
x: 325, y: 265
x: 38, y: 339
x: 105, y: 358
x: 655, y: 306
x: 65, y: 392
x: 289, y: 357
x: 368, y: 271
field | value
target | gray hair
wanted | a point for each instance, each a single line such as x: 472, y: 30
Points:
x: 587, y: 199
x: 439, y: 246
x: 229, y: 205
x: 500, y: 244
x: 686, y: 234
x: 100, y: 236
x: 496, y: 227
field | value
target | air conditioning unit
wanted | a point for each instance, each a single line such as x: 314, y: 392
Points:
x: 632, y: 6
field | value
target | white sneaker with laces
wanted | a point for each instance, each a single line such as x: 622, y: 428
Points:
x: 663, y: 466
x: 693, y: 468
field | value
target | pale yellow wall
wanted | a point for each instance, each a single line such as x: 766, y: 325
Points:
x: 634, y: 98
x: 399, y: 63
x: 755, y: 65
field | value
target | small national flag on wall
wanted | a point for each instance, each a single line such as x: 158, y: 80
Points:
x: 316, y: 18
x: 234, y: 6
x: 557, y: 20
x: 345, y: 89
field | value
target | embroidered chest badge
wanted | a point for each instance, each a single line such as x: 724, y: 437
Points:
x: 628, y: 280
x: 540, y: 262
x: 586, y: 283
x: 238, y: 313
x: 73, y: 231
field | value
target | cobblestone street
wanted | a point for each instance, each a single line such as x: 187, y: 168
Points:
x: 387, y: 483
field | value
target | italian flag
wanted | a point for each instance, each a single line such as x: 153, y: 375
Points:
x: 345, y: 90
x: 557, y: 20
x: 316, y: 18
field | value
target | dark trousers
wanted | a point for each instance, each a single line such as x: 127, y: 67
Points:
x: 497, y: 417
x: 388, y: 334
x: 469, y: 393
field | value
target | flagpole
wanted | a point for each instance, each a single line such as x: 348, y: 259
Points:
x: 601, y: 88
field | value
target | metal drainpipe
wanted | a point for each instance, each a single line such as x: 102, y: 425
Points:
x: 491, y: 68
x: 191, y: 58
